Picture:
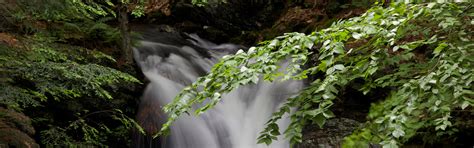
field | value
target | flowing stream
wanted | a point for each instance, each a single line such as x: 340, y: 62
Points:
x: 170, y: 62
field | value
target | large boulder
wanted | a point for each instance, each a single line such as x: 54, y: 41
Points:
x: 15, y: 130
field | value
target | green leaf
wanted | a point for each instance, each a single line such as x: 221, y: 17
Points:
x: 464, y: 105
x: 339, y: 49
x: 330, y: 71
x: 397, y: 133
x: 313, y: 112
x: 390, y: 144
x: 339, y: 67
x: 395, y: 48
x: 328, y: 95
x: 275, y: 132
x: 356, y: 36
x: 320, y: 120
x: 440, y: 47
x: 328, y: 114
x: 267, y: 141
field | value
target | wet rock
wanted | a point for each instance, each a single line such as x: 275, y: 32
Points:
x: 330, y: 136
x: 238, y: 15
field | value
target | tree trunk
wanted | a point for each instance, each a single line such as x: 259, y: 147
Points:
x: 127, y: 55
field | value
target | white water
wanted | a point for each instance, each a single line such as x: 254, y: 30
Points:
x: 234, y: 123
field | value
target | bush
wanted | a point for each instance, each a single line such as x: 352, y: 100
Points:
x: 48, y: 80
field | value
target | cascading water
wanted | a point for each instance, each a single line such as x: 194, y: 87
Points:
x: 170, y: 62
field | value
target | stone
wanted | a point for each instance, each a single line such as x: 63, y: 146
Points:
x: 15, y: 130
x: 330, y: 136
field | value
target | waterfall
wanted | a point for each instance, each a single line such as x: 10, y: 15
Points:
x: 170, y: 62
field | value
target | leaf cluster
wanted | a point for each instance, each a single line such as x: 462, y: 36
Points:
x: 38, y: 73
x: 46, y: 79
x: 66, y: 20
x: 93, y: 133
x: 421, y: 54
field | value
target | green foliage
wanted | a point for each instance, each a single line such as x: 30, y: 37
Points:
x: 28, y: 12
x: 78, y: 22
x: 68, y: 20
x: 92, y: 31
x: 40, y: 72
x: 58, y: 74
x: 52, y: 79
x: 93, y: 135
x: 422, y: 54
